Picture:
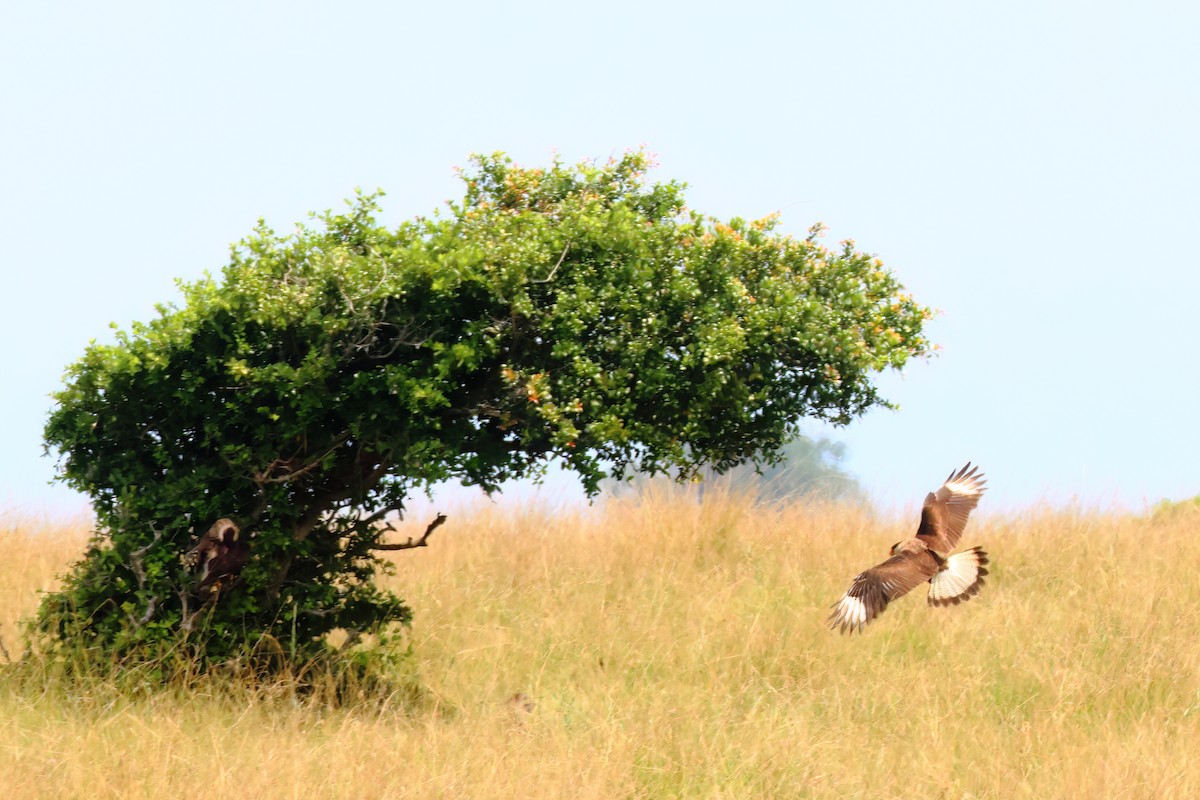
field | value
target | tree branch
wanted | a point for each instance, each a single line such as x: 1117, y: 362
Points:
x: 137, y: 564
x: 550, y: 277
x: 290, y: 472
x: 411, y: 543
x: 366, y: 525
x: 353, y: 486
x: 187, y: 621
x: 137, y: 557
x: 151, y: 607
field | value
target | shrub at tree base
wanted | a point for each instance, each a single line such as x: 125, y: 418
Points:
x: 579, y: 313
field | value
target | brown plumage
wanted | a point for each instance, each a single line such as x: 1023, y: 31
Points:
x: 218, y: 557
x: 952, y: 579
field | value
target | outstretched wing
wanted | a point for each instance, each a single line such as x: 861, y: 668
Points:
x: 945, y: 512
x: 871, y: 591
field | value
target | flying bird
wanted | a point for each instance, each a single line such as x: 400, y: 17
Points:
x: 218, y: 557
x: 952, y: 578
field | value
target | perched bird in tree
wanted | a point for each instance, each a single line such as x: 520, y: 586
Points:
x: 952, y: 578
x: 218, y: 557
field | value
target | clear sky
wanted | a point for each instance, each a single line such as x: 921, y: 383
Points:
x: 1029, y: 168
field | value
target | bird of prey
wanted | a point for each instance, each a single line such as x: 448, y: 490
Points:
x: 952, y: 578
x: 218, y: 557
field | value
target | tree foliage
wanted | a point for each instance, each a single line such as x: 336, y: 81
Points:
x: 577, y: 312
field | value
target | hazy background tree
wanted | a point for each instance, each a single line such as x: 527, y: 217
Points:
x: 577, y: 313
x: 807, y: 469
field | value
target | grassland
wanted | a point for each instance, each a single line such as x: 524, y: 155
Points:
x: 676, y: 649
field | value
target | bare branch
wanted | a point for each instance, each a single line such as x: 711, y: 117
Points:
x: 365, y: 524
x: 367, y: 294
x: 550, y: 277
x: 411, y: 543
x: 408, y: 335
x: 151, y: 607
x: 289, y: 473
x: 354, y: 486
x: 345, y: 495
x: 383, y: 277
x: 346, y: 297
x: 188, y: 620
x: 137, y: 561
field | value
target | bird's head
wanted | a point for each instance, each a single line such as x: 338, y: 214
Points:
x: 226, y: 531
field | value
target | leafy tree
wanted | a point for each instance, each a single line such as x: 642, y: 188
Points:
x: 572, y: 312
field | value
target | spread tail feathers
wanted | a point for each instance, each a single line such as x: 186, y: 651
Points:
x: 960, y: 578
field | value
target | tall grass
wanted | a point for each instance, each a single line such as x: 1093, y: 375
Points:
x: 664, y: 647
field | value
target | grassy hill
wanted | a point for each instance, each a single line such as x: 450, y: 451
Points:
x: 665, y: 648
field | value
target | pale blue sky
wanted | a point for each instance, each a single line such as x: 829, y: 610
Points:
x: 1030, y: 168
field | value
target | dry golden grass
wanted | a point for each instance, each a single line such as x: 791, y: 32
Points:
x: 676, y: 649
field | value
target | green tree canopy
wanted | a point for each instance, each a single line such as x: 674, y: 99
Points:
x: 577, y: 312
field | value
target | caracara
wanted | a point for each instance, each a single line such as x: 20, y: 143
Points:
x: 952, y: 578
x: 220, y: 556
